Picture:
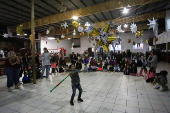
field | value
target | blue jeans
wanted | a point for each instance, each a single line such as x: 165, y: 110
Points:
x: 74, y: 86
x: 47, y: 67
x: 12, y: 76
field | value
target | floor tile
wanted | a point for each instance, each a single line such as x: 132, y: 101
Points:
x: 119, y: 108
x: 101, y: 110
x: 96, y: 104
x: 143, y: 110
x: 64, y: 110
x: 159, y: 108
x: 107, y: 106
x: 80, y: 107
x: 132, y: 103
x: 145, y: 105
x: 92, y: 109
x: 35, y: 110
x: 132, y: 109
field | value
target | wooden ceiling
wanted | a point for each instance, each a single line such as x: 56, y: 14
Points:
x: 14, y: 12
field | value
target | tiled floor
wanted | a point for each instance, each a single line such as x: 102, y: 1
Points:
x: 102, y: 93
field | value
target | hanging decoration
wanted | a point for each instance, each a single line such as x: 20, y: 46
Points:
x: 65, y: 25
x: 5, y: 35
x: 134, y: 42
x: 111, y: 24
x: 62, y: 8
x: 106, y: 48
x: 133, y: 28
x: 74, y: 32
x: 82, y: 33
x: 51, y: 30
x: 19, y: 30
x: 119, y: 29
x: 47, y: 32
x: 75, y: 23
x: 152, y: 23
x: 80, y: 29
x: 139, y: 34
x: 30, y: 37
x: 58, y: 41
x: 62, y: 36
x: 146, y: 41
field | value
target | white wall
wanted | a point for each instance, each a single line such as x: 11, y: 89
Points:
x: 84, y: 43
x: 125, y: 45
x: 52, y: 44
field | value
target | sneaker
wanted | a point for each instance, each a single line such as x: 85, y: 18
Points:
x: 9, y: 89
x: 79, y: 99
x: 71, y: 103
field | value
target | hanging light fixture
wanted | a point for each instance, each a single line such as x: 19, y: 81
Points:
x: 75, y: 18
x: 125, y: 25
x: 125, y: 11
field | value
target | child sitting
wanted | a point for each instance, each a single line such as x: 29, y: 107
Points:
x: 100, y: 67
x: 145, y: 74
x: 115, y: 62
x: 25, y: 79
x: 127, y: 70
x: 89, y: 69
x: 144, y: 63
x: 142, y: 70
x: 54, y: 67
x: 85, y: 68
x: 161, y: 80
x: 93, y: 68
x: 116, y: 68
x: 105, y: 67
x: 151, y: 75
x: 111, y: 69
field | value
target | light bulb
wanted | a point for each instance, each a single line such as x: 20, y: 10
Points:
x: 125, y: 10
x: 125, y: 25
x: 75, y: 18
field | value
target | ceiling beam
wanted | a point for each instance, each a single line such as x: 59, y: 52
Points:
x: 138, y: 18
x: 78, y: 8
x: 101, y: 12
x: 90, y: 10
x: 121, y: 21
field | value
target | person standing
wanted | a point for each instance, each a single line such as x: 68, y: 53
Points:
x: 12, y: 70
x: 154, y: 59
x: 45, y: 57
x: 75, y: 80
x: 73, y: 58
x: 25, y: 60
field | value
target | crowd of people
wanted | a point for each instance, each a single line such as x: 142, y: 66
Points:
x: 125, y: 62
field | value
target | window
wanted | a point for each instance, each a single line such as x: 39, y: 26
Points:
x: 138, y: 46
x: 117, y: 47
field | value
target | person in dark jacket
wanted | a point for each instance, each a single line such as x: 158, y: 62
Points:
x: 25, y: 60
x: 75, y: 80
x: 73, y: 58
x: 133, y: 68
x: 78, y: 65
